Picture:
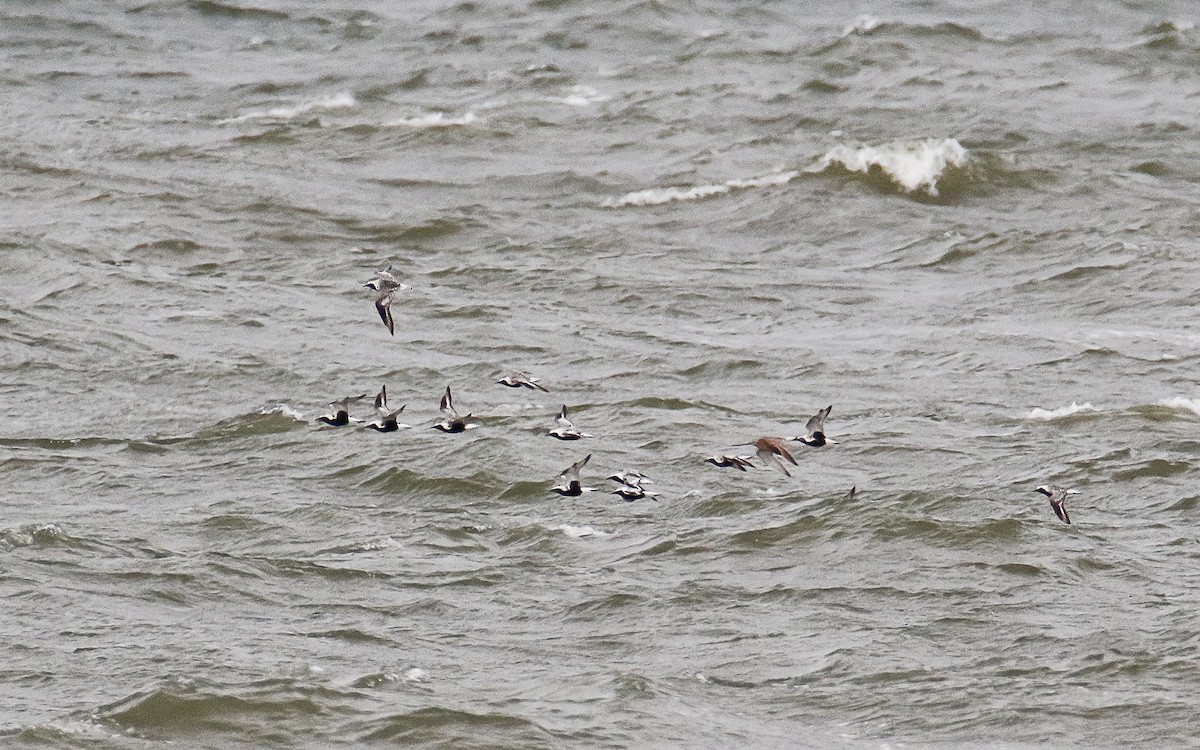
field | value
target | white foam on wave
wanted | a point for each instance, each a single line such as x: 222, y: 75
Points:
x: 861, y: 25
x: 578, y: 532
x: 415, y: 674
x: 1066, y: 411
x: 584, y: 96
x: 432, y: 120
x: 1183, y: 404
x: 283, y: 409
x: 343, y: 100
x: 913, y: 165
x: 658, y: 196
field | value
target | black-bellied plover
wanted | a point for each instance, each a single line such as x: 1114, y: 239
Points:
x: 385, y: 285
x: 631, y: 477
x: 522, y: 379
x: 385, y: 418
x: 453, y: 422
x: 564, y: 430
x: 339, y: 411
x: 814, y: 430
x: 725, y: 461
x: 568, y: 483
x: 1058, y: 498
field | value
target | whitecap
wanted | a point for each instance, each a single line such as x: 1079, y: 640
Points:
x: 861, y: 25
x: 283, y: 409
x: 432, y: 120
x: 415, y: 674
x: 1183, y: 404
x: 658, y: 196
x: 578, y: 532
x: 584, y: 96
x: 343, y: 100
x: 1065, y: 411
x: 913, y: 165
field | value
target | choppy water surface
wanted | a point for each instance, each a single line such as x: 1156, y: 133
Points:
x: 969, y: 227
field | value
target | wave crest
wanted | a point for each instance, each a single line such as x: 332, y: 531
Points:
x: 658, y: 196
x: 915, y: 166
x: 1065, y: 411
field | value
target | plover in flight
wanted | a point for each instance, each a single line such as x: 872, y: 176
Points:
x: 564, y: 430
x: 770, y: 449
x: 386, y: 285
x: 522, y: 379
x: 814, y: 431
x: 631, y: 492
x: 339, y: 411
x: 1058, y: 498
x: 567, y: 484
x: 452, y: 422
x: 385, y: 419
x: 737, y: 462
x: 631, y: 477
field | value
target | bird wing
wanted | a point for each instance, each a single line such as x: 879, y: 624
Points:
x: 769, y: 457
x: 446, y: 405
x: 381, y: 399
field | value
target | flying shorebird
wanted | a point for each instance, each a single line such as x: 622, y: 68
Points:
x: 631, y: 492
x: 632, y: 478
x: 567, y: 484
x: 452, y: 422
x: 385, y: 419
x: 814, y: 430
x: 339, y: 411
x: 1058, y: 498
x: 522, y: 379
x: 386, y: 285
x: 737, y: 462
x: 564, y: 430
x: 769, y: 449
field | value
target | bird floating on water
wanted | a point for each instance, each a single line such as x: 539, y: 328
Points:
x: 386, y: 285
x: 564, y: 430
x: 1058, y: 499
x: 522, y: 379
x: 568, y: 483
x: 385, y: 419
x: 339, y: 411
x: 814, y: 430
x: 453, y: 422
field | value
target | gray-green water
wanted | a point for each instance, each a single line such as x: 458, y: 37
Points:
x: 652, y: 206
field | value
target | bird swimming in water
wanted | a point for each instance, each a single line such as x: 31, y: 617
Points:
x: 814, y: 430
x: 339, y: 411
x: 1058, y: 498
x: 386, y: 285
x: 725, y: 462
x: 564, y: 430
x: 453, y: 422
x: 385, y: 420
x: 568, y: 484
x: 522, y: 379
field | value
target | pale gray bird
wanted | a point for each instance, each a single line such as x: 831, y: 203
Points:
x: 522, y: 379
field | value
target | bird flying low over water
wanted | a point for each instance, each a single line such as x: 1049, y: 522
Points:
x: 725, y: 462
x: 385, y: 419
x: 385, y: 285
x: 568, y: 484
x: 814, y: 431
x: 453, y: 422
x: 564, y: 430
x: 522, y: 379
x: 1058, y: 499
x: 770, y: 449
x: 631, y: 477
x: 630, y: 485
x: 339, y: 411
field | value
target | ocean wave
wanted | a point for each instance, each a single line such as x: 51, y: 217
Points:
x: 1182, y: 404
x: 915, y: 166
x: 432, y: 120
x: 343, y: 100
x: 1065, y: 411
x: 578, y: 532
x: 658, y: 196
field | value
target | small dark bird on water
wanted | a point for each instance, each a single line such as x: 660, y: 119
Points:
x: 339, y: 411
x: 1058, y: 499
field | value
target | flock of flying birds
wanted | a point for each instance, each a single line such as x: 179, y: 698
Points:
x: 568, y: 483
